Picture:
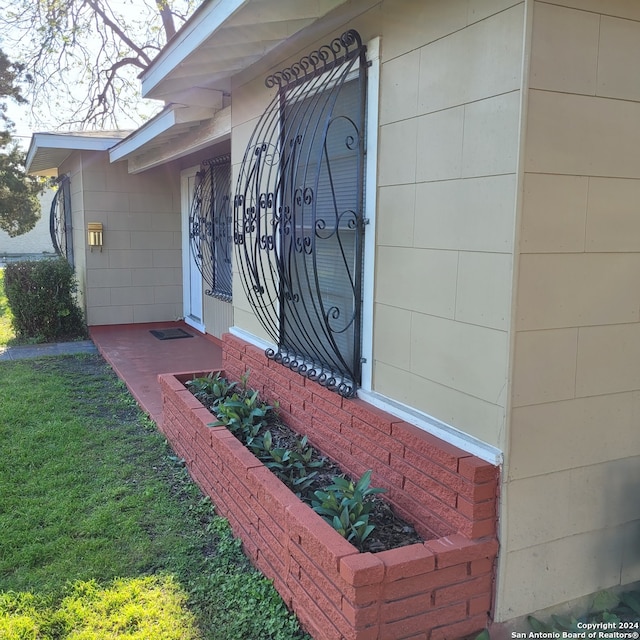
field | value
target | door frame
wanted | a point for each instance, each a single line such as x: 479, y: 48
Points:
x: 188, y: 264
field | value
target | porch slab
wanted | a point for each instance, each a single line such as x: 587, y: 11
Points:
x: 138, y: 357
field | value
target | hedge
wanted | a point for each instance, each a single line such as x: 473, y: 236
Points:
x: 41, y: 296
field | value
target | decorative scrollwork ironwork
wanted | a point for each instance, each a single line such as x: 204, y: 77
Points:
x: 298, y: 214
x: 210, y: 226
x: 340, y: 50
x: 60, y: 221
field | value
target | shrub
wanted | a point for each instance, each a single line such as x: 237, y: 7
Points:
x: 41, y: 296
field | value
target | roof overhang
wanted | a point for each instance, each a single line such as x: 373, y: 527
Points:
x: 175, y: 132
x: 224, y: 37
x: 47, y: 151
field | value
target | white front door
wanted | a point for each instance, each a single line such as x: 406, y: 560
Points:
x: 191, y: 278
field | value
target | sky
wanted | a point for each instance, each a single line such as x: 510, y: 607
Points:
x: 20, y: 114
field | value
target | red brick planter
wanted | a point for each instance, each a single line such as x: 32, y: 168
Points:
x: 441, y: 589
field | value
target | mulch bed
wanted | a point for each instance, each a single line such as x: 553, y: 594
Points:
x: 390, y: 531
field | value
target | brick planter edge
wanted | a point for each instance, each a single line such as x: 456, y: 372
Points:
x: 439, y: 590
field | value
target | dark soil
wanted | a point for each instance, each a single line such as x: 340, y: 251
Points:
x: 390, y: 531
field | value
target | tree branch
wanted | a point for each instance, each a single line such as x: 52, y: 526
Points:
x: 81, y: 57
x: 119, y: 32
x: 167, y: 18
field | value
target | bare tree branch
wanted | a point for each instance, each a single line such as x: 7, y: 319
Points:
x: 167, y: 18
x: 119, y: 32
x: 84, y: 56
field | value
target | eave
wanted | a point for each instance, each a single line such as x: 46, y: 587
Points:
x: 174, y: 133
x: 48, y: 151
x: 223, y: 38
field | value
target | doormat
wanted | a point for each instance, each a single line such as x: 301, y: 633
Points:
x: 170, y: 334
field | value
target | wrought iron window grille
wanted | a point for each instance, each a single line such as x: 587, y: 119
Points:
x: 210, y: 226
x: 60, y: 221
x: 298, y: 214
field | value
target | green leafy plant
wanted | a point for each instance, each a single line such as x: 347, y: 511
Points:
x: 244, y: 416
x: 294, y: 466
x: 210, y: 389
x: 244, y: 381
x: 346, y: 506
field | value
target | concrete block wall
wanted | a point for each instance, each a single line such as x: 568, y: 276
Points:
x: 447, y: 182
x: 576, y: 361
x: 137, y: 277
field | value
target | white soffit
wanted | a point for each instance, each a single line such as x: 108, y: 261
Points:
x: 47, y: 151
x: 173, y: 122
x: 224, y: 37
x: 152, y: 145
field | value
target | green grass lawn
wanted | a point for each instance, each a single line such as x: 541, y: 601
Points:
x: 6, y: 331
x: 90, y: 493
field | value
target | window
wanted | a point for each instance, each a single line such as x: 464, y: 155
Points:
x: 298, y: 214
x: 210, y: 226
x: 60, y: 220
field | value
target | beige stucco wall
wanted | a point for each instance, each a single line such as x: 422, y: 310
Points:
x: 447, y: 159
x: 137, y: 277
x: 571, y: 518
x: 448, y: 155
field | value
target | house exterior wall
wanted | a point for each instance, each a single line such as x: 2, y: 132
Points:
x: 217, y: 314
x: 449, y: 121
x: 38, y: 240
x: 445, y: 213
x: 507, y: 261
x: 137, y: 277
x: 445, y: 221
x: 73, y: 168
x: 570, y: 510
x: 249, y: 101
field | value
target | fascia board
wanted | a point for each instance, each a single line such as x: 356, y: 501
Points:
x: 208, y: 133
x: 202, y: 25
x: 161, y: 123
x: 31, y: 152
x: 73, y: 142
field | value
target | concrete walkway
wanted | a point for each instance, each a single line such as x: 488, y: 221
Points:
x: 50, y: 349
x: 138, y: 357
